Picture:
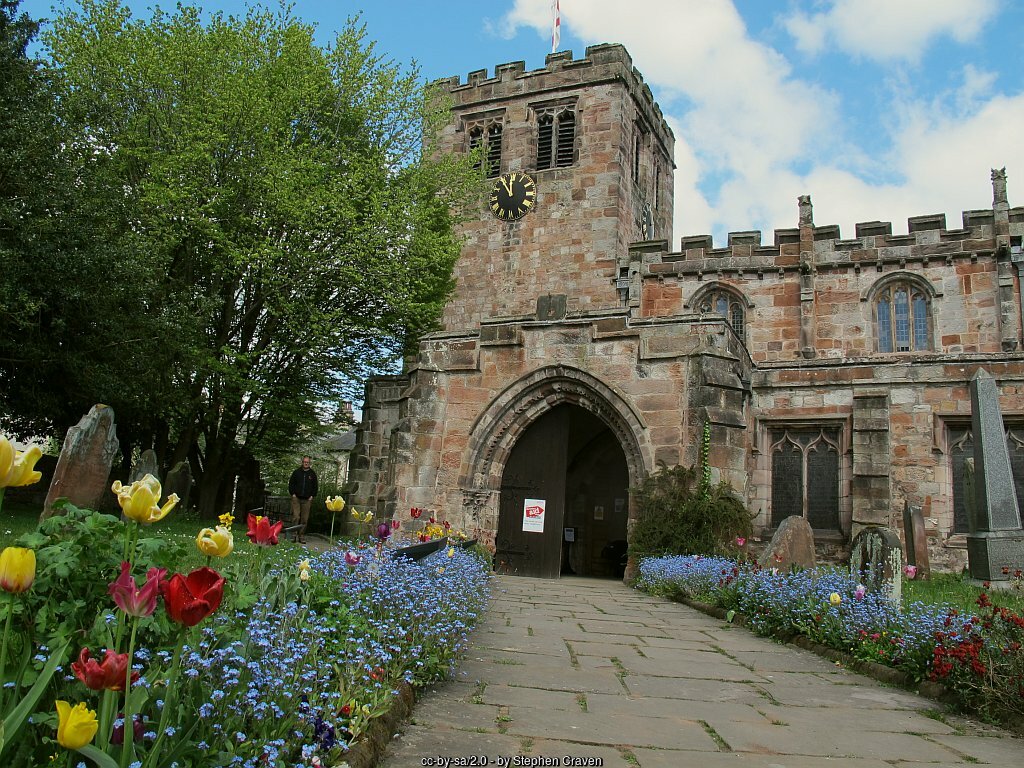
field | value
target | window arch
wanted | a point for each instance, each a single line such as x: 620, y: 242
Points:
x: 719, y: 300
x: 556, y: 138
x: 901, y: 307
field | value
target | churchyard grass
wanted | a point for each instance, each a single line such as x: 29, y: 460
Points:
x: 267, y: 656
x: 967, y: 638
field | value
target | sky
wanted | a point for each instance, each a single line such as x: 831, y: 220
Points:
x: 877, y: 109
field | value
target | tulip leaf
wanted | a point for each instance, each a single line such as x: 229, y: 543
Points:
x: 100, y: 758
x: 13, y: 721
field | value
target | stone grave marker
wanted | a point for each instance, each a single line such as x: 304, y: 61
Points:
x: 876, y: 559
x: 996, y: 538
x: 916, y: 540
x: 792, y: 544
x: 146, y: 465
x: 179, y: 481
x: 83, y: 467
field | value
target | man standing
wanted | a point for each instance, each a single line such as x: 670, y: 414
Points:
x: 303, y: 487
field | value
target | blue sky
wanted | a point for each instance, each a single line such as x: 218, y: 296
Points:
x: 878, y: 109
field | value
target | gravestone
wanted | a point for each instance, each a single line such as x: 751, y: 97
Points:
x: 83, y: 468
x: 996, y: 538
x: 179, y: 481
x: 792, y: 544
x: 146, y: 465
x: 916, y: 540
x: 876, y: 560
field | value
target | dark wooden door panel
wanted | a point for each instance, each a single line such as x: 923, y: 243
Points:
x: 535, y: 469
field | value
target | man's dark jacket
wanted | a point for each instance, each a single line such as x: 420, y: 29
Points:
x: 303, y: 483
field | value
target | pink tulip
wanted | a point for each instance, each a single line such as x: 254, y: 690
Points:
x: 911, y: 571
x: 133, y: 600
x: 740, y: 541
x: 351, y: 558
x: 860, y: 591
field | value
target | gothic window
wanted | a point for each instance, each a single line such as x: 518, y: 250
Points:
x: 961, y: 447
x: 556, y: 139
x: 638, y: 146
x: 487, y: 134
x: 902, y: 318
x: 805, y: 475
x: 726, y: 304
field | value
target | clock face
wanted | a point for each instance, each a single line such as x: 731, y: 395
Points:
x: 514, y: 195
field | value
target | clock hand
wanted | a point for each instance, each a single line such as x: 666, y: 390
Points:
x: 507, y: 185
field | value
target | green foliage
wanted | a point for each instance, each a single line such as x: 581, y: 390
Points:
x: 78, y: 554
x: 266, y: 227
x: 678, y: 514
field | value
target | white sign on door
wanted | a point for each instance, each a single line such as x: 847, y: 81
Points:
x: 533, y: 515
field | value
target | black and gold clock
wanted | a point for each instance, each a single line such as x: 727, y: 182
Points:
x: 514, y: 195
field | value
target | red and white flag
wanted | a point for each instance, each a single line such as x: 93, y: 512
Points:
x: 556, y: 26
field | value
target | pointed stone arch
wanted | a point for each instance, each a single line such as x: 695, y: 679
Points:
x: 499, y: 426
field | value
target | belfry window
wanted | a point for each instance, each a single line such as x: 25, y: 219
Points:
x: 556, y: 139
x: 488, y: 136
x: 902, y: 318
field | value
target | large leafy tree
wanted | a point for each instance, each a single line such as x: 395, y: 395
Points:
x: 278, y: 205
x: 69, y: 312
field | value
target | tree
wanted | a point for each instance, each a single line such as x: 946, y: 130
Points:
x: 286, y: 218
x: 71, y: 321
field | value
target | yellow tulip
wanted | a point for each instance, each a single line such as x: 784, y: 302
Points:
x: 77, y: 726
x: 17, y: 469
x: 17, y: 569
x: 215, y: 542
x: 835, y: 599
x: 334, y: 503
x: 140, y: 501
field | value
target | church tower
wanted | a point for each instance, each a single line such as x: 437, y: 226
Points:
x: 594, y: 155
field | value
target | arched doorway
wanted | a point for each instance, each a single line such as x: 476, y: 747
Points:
x: 571, y: 462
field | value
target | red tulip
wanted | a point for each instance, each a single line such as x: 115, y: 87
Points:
x: 261, y: 532
x: 132, y: 600
x: 190, y: 599
x: 117, y: 735
x: 107, y: 674
x: 415, y: 513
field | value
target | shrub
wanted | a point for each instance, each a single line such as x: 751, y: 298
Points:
x: 679, y: 513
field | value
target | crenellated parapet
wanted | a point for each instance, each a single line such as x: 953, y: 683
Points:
x: 605, y: 63
x: 927, y: 240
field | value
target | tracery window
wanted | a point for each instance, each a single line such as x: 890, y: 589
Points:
x: 556, y: 138
x: 902, y: 318
x: 726, y: 304
x: 961, y: 447
x: 487, y: 134
x: 805, y: 475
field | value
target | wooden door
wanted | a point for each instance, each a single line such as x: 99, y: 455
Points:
x: 535, y: 470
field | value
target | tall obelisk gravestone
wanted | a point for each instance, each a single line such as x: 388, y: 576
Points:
x: 996, y: 540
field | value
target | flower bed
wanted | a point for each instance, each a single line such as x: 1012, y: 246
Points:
x: 264, y: 661
x: 976, y: 657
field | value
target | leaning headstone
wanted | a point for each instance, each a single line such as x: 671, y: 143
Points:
x: 996, y: 538
x: 876, y: 560
x: 916, y: 540
x: 179, y: 481
x: 792, y: 544
x: 146, y: 465
x: 83, y: 467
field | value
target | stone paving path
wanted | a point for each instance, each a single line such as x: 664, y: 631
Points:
x: 583, y: 668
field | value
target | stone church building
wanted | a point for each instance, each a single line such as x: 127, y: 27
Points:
x: 583, y: 347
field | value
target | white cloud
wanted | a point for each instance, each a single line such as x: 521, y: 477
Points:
x: 752, y: 134
x: 887, y: 30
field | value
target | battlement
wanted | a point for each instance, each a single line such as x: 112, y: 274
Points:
x: 601, y: 63
x: 928, y: 232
